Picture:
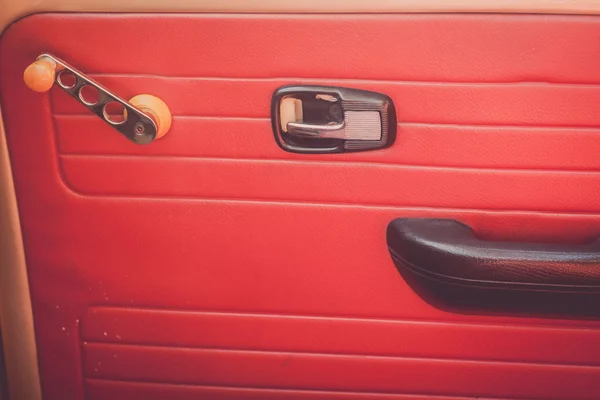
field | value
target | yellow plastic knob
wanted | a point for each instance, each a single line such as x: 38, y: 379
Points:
x: 157, y: 109
x: 39, y: 75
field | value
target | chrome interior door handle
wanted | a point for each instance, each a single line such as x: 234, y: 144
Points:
x: 330, y: 130
x: 321, y: 119
x: 357, y: 125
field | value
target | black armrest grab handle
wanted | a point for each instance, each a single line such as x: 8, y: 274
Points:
x: 444, y: 256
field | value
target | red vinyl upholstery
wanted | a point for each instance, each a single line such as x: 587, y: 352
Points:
x: 212, y: 264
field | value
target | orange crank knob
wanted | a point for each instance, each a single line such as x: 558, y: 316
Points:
x: 157, y: 109
x: 39, y: 75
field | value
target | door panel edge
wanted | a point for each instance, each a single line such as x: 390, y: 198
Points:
x: 16, y: 317
x: 11, y: 10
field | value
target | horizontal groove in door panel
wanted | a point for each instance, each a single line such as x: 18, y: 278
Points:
x: 324, y: 182
x: 313, y: 371
x: 395, y: 46
x: 342, y: 335
x: 417, y: 144
x: 103, y: 389
x: 478, y: 104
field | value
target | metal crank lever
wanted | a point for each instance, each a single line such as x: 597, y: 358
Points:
x: 144, y: 117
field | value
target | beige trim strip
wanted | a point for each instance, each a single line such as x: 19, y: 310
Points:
x: 11, y: 10
x: 16, y: 318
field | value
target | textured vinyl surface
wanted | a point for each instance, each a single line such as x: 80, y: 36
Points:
x: 280, y: 259
x: 379, y: 355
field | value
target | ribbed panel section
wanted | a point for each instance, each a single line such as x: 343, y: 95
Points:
x: 363, y: 125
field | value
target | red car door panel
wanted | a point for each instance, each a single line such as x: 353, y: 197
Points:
x: 211, y: 263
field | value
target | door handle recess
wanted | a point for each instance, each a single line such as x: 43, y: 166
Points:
x: 323, y: 119
x: 448, y: 266
x: 141, y: 119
